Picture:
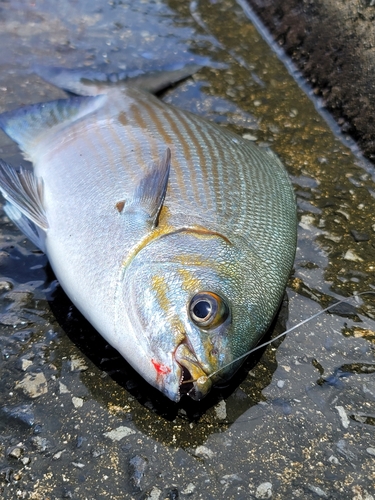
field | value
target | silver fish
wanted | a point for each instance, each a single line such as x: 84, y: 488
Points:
x: 173, y: 236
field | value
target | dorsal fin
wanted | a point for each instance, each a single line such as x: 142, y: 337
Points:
x: 150, y: 193
x: 26, y: 126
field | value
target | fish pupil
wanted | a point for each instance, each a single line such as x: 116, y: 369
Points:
x: 202, y: 309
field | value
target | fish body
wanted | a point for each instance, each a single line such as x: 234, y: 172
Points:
x: 174, y: 237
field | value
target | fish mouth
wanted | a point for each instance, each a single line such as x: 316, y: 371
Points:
x: 194, y: 381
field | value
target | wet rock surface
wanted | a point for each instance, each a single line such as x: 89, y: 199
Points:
x: 333, y: 44
x: 298, y: 420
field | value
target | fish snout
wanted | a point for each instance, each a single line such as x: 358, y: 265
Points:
x: 194, y: 380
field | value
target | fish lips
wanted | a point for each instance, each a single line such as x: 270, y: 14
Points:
x: 194, y: 381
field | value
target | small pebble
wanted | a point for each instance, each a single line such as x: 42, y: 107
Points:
x: 78, y: 465
x: 352, y: 256
x: 33, y: 385
x: 333, y: 460
x: 17, y: 475
x: 344, y: 417
x: 371, y: 451
x: 5, y: 285
x: 154, y: 494
x: 221, y: 410
x: 97, y: 452
x: 77, y: 364
x: 332, y: 237
x: 264, y: 490
x: 25, y: 363
x: 190, y: 488
x: 77, y: 402
x: 307, y: 221
x: 63, y: 388
x: 204, y: 452
x: 15, y: 452
x: 119, y: 433
x: 250, y: 137
x: 57, y: 455
x: 318, y: 491
x: 41, y: 444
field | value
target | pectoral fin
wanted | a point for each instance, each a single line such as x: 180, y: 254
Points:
x: 24, y: 190
x: 150, y: 193
x: 33, y: 232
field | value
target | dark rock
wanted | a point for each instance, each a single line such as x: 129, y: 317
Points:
x: 67, y: 493
x: 173, y: 494
x: 343, y: 449
x: 344, y: 309
x: 138, y: 466
x: 22, y: 413
x: 6, y: 473
x: 80, y: 441
x: 359, y: 236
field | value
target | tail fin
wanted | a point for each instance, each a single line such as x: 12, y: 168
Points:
x: 91, y: 83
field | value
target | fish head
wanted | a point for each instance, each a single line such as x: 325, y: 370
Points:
x: 185, y: 298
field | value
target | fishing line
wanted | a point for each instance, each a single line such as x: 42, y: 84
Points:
x: 369, y: 292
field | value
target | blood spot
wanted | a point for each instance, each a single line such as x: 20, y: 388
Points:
x: 160, y: 369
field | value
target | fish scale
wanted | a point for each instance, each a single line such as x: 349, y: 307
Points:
x: 147, y: 211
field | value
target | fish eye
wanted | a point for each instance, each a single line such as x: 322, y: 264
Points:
x: 207, y: 309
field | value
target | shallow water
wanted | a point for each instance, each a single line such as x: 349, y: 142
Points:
x: 298, y: 421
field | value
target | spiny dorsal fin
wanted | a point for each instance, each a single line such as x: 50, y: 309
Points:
x: 25, y: 191
x: 150, y: 193
x: 31, y: 123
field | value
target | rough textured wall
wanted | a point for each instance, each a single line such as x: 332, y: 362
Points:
x: 333, y: 44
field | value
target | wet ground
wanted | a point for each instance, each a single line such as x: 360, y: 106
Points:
x: 332, y: 43
x: 298, y: 422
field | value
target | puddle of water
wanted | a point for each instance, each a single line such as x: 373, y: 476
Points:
x: 298, y: 420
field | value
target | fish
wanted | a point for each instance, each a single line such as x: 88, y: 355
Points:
x: 172, y: 235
